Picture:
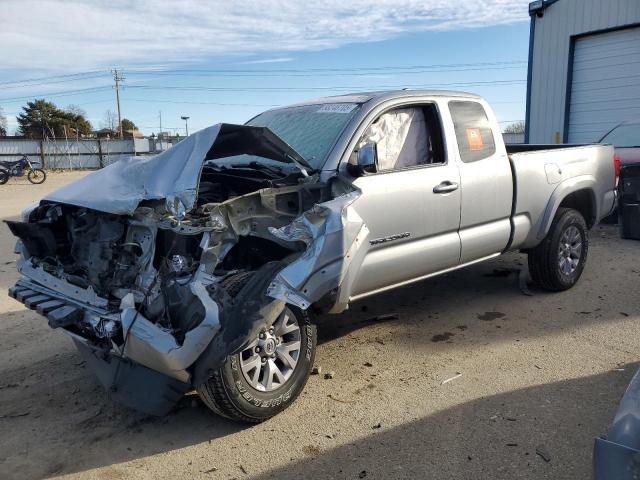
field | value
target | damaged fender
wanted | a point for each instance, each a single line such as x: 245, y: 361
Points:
x: 336, y: 239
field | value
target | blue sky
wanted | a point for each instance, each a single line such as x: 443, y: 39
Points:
x: 224, y: 63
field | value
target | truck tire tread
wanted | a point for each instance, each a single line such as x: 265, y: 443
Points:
x: 543, y: 259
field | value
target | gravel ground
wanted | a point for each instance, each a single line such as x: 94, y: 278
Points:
x: 542, y: 372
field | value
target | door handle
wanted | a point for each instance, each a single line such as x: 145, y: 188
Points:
x: 445, y: 187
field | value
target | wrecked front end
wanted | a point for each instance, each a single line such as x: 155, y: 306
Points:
x: 160, y: 283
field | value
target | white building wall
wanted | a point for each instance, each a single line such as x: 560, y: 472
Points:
x: 551, y: 63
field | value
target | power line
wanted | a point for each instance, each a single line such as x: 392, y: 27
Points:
x: 69, y: 77
x: 335, y: 69
x: 334, y: 87
x: 251, y: 74
x: 203, y: 103
x: 53, y: 77
x: 58, y: 94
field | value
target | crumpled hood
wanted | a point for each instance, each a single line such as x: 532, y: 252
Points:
x: 172, y: 175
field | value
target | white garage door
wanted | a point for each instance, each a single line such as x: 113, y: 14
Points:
x: 606, y: 84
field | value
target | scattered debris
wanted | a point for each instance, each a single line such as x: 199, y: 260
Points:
x: 510, y: 419
x: 243, y: 470
x: 462, y: 328
x: 339, y: 400
x: 328, y: 375
x: 380, y: 341
x: 387, y: 316
x: 442, y: 337
x: 489, y: 316
x: 523, y: 282
x: 9, y: 385
x: 538, y: 367
x: 376, y: 426
x: 624, y: 314
x: 512, y: 444
x: 362, y: 474
x: 316, y: 370
x: 311, y: 450
x: 329, y: 436
x: 500, y: 272
x: 211, y: 470
x: 618, y: 369
x: 543, y: 453
x: 584, y: 313
x: 457, y: 375
x: 368, y: 364
x: 15, y: 415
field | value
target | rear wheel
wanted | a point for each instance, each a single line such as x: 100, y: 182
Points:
x: 268, y: 374
x: 557, y: 263
x: 37, y: 176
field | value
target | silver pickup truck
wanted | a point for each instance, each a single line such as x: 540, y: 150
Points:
x: 203, y: 267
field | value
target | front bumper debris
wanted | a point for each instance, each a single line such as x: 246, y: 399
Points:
x: 59, y: 313
x: 131, y: 384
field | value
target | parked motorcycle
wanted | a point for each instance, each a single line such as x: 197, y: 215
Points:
x: 17, y: 169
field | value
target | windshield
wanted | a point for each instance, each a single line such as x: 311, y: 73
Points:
x: 311, y: 130
x: 624, y: 136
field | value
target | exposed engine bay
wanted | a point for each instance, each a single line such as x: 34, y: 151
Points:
x: 156, y: 283
x: 152, y: 256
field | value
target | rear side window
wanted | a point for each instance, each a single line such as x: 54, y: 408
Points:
x: 473, y: 132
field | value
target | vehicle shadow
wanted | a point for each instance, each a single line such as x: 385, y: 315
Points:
x: 57, y: 419
x: 529, y: 433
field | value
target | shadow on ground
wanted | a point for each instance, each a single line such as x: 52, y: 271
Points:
x: 471, y: 440
x: 72, y: 426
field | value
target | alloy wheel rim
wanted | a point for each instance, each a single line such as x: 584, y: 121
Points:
x: 270, y: 360
x: 570, y: 250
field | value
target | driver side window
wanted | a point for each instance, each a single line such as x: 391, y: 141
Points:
x: 406, y: 137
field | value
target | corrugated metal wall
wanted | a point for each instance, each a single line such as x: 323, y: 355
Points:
x: 553, y: 32
x: 513, y: 137
x: 605, y: 84
x: 71, y: 154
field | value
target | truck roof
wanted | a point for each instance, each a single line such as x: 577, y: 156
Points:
x: 363, y: 97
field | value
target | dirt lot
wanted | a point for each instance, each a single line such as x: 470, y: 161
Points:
x: 543, y: 370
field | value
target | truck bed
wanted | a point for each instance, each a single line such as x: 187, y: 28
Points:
x: 549, y: 172
x: 536, y: 147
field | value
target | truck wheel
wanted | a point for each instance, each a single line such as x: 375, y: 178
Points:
x: 557, y: 263
x: 268, y: 375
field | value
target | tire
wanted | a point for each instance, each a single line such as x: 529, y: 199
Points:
x: 228, y: 391
x: 37, y: 176
x: 546, y: 264
x: 4, y: 177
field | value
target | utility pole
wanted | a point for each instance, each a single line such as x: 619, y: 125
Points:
x: 118, y: 77
x: 186, y: 125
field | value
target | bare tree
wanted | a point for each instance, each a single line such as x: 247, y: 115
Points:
x: 110, y: 120
x: 76, y: 110
x: 515, y: 127
x: 3, y: 123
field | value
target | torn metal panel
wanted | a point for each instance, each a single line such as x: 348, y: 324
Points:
x: 155, y: 347
x: 62, y: 288
x: 173, y: 175
x: 132, y: 384
x: 335, y: 236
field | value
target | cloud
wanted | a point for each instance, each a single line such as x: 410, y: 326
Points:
x: 267, y: 60
x: 49, y: 35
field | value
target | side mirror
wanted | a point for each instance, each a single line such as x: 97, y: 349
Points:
x: 366, y: 160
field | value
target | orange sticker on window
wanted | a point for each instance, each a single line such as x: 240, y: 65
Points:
x: 474, y: 139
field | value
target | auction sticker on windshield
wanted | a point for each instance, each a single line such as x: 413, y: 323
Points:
x: 336, y: 108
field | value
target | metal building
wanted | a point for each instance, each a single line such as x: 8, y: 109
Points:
x: 584, y: 69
